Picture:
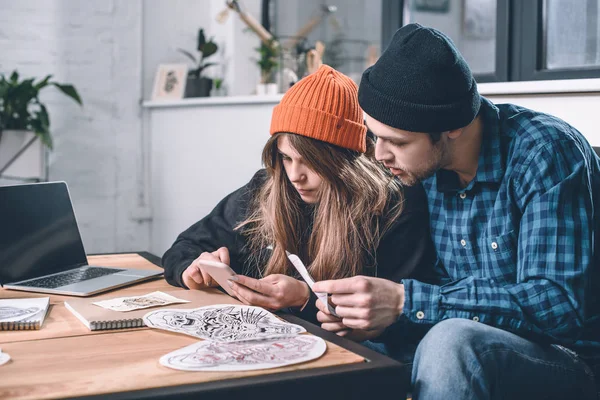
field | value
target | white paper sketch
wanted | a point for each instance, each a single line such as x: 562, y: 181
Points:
x: 245, y: 356
x: 153, y: 299
x: 222, y: 322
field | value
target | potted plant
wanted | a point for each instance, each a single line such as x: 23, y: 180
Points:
x: 23, y: 115
x: 198, y: 85
x: 267, y: 62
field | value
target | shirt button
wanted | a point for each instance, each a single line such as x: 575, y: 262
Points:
x: 463, y: 242
x: 476, y: 318
x: 494, y: 245
x: 463, y: 195
x: 420, y: 315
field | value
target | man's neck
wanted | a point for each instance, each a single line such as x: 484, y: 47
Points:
x: 465, y: 152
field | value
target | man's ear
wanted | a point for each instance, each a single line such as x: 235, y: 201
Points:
x: 455, y: 133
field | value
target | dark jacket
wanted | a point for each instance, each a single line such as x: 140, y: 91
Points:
x: 405, y: 249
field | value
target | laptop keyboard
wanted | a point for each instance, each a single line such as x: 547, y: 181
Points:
x: 79, y: 275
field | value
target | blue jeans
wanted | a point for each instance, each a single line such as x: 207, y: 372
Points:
x: 463, y: 359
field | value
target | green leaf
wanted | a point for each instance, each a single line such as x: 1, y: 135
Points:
x: 69, y: 90
x: 201, y: 39
x: 188, y: 54
x: 209, y: 49
x: 14, y: 77
x: 43, y: 83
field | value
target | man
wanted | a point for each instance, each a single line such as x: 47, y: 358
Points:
x: 513, y: 309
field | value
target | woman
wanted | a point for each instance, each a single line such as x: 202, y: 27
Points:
x: 321, y: 196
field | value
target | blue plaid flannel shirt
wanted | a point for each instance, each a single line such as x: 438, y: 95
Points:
x: 515, y: 247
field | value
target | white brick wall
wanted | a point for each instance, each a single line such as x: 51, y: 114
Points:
x: 95, y: 45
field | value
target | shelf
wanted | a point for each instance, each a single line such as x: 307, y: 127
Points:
x: 214, y: 101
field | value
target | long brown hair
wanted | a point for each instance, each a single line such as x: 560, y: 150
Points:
x: 339, y: 235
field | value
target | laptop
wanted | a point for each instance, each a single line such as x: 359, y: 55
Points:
x: 41, y: 248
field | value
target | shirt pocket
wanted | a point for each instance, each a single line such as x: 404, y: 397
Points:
x: 499, y: 257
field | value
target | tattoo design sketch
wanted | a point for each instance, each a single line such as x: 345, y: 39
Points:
x: 223, y: 322
x: 17, y: 313
x: 245, y: 356
x: 136, y: 302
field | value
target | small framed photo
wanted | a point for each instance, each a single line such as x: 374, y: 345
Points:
x: 434, y: 6
x: 169, y: 82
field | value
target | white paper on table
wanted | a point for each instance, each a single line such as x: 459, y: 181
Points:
x: 222, y: 322
x: 209, y: 355
x: 130, y: 303
x: 4, y: 358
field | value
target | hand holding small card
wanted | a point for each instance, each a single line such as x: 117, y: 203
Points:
x: 299, y: 265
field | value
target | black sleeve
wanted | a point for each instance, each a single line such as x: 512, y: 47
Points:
x: 406, y: 249
x: 212, y: 232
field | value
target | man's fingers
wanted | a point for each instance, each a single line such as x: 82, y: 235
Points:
x: 322, y: 317
x: 360, y: 324
x: 352, y: 312
x: 333, y: 326
x: 350, y: 300
x: 346, y: 285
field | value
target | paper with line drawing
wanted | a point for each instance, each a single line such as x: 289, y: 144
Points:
x: 131, y: 303
x: 223, y: 322
x: 247, y: 355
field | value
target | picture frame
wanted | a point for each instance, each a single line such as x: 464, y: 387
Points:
x: 435, y: 6
x: 169, y: 82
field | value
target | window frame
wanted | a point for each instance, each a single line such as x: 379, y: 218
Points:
x: 520, y: 48
x: 530, y: 49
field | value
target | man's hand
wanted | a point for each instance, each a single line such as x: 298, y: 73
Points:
x: 363, y: 303
x: 273, y: 292
x: 334, y: 324
x: 195, y: 278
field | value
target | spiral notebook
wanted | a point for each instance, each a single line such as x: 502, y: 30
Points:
x: 23, y: 314
x: 98, y: 318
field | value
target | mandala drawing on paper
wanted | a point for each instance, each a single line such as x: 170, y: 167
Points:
x: 225, y: 323
x: 247, y: 355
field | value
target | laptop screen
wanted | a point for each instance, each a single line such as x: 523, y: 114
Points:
x: 38, y: 231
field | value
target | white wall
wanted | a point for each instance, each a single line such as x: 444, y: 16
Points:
x: 170, y: 24
x: 578, y: 109
x: 199, y: 155
x: 95, y: 45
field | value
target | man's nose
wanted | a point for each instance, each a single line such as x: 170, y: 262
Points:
x: 381, y: 152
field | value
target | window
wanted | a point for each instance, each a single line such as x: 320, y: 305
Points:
x: 350, y: 30
x: 515, y: 40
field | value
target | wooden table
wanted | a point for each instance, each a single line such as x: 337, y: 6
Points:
x: 66, y: 360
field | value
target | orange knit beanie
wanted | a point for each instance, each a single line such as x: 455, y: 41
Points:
x: 323, y: 106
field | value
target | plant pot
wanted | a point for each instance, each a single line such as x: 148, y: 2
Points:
x: 198, y: 87
x: 30, y: 164
x: 263, y: 89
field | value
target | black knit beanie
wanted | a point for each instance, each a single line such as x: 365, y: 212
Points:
x: 421, y: 83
